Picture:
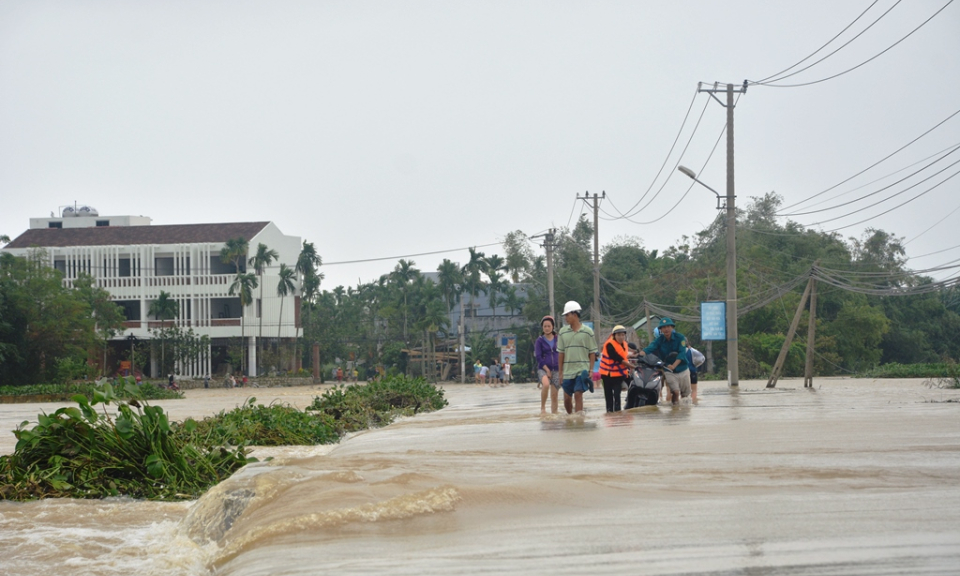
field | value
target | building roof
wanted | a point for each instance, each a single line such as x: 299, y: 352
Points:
x: 136, y: 235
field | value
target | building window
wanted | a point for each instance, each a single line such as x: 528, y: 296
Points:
x: 131, y: 309
x: 103, y: 222
x: 123, y: 267
x: 60, y: 265
x: 163, y: 266
x: 54, y: 224
x: 259, y: 307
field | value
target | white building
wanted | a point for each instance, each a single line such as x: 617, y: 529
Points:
x: 135, y: 261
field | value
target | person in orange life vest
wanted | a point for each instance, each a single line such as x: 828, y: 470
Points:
x: 615, y: 367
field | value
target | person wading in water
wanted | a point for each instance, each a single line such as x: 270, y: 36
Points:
x: 548, y: 375
x: 615, y: 367
x: 577, y: 352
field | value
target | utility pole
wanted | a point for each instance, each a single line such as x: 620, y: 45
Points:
x: 595, y: 312
x: 811, y: 334
x: 463, y: 352
x: 548, y: 245
x: 733, y: 356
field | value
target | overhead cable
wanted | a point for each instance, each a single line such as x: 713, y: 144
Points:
x: 872, y: 58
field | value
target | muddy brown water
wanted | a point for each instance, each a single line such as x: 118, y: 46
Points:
x: 852, y: 477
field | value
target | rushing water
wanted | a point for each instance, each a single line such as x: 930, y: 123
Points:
x: 854, y: 477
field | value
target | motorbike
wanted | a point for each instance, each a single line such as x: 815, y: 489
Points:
x: 646, y: 382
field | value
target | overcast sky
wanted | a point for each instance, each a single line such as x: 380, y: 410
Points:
x: 378, y: 129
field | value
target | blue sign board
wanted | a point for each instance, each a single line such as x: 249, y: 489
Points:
x: 713, y: 320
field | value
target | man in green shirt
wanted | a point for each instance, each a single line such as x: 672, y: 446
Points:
x: 577, y: 349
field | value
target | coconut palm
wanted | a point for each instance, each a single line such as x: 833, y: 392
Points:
x: 263, y: 258
x: 164, y: 308
x: 285, y: 287
x: 242, y: 286
x: 494, y: 267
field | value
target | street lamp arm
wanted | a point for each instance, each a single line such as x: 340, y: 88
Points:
x: 693, y: 176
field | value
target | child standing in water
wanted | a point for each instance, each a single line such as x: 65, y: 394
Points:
x: 548, y: 377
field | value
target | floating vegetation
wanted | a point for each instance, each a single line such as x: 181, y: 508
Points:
x: 82, y: 453
x: 378, y: 403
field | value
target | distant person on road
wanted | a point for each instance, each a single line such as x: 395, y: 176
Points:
x: 576, y: 353
x: 506, y: 373
x: 483, y: 374
x: 615, y: 366
x: 476, y: 372
x: 671, y: 347
x: 548, y: 372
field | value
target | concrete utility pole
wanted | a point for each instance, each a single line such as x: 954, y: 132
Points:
x: 733, y: 356
x: 463, y: 351
x: 548, y: 245
x: 595, y: 312
x: 811, y: 335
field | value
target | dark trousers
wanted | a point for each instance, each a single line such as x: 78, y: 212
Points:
x: 612, y: 391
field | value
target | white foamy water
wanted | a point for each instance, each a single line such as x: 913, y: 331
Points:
x: 855, y: 477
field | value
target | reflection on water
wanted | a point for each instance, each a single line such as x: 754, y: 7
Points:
x: 856, y: 477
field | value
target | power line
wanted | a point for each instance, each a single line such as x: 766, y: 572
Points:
x: 842, y: 46
x: 884, y: 159
x: 872, y: 58
x: 410, y: 255
x: 935, y: 186
x: 670, y: 152
x: 875, y: 192
x: 812, y: 54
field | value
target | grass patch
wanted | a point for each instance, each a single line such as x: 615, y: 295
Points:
x: 60, y: 392
x: 894, y: 370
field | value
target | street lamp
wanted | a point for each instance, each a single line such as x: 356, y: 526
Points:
x: 733, y: 357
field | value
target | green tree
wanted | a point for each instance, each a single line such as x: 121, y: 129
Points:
x: 164, y: 308
x: 260, y: 261
x: 402, y: 275
x: 242, y: 286
x: 285, y: 287
x: 235, y: 252
x: 108, y: 317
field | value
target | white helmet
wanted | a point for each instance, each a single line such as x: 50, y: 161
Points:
x: 571, y: 306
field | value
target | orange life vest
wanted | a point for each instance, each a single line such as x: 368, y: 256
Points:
x: 610, y: 367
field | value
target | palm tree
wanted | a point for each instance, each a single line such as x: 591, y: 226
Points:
x: 284, y: 288
x: 472, y: 281
x: 402, y: 274
x: 235, y: 252
x: 495, y: 265
x: 263, y: 258
x: 243, y: 285
x: 164, y: 308
x: 449, y: 279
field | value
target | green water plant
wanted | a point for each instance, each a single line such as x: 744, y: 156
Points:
x: 273, y: 425
x: 83, y: 452
x: 378, y: 403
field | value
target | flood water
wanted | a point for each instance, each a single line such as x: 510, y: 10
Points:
x: 852, y: 477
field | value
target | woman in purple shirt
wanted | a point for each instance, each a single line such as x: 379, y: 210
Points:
x: 548, y: 379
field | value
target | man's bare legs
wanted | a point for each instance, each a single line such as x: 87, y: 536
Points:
x: 573, y: 402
